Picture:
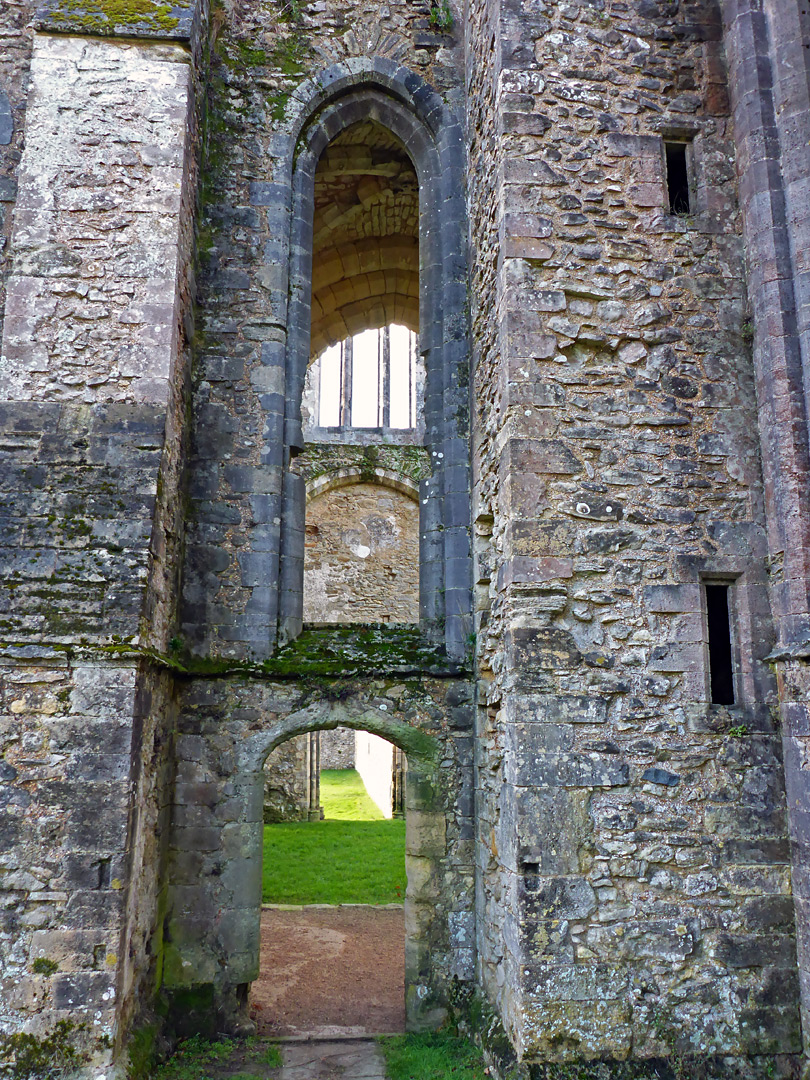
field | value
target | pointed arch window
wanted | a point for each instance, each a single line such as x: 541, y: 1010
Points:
x: 378, y: 234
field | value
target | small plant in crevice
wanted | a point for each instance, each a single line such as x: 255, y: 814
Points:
x: 43, y: 966
x: 194, y: 1058
x: 291, y: 10
x: 472, y: 1015
x: 440, y: 15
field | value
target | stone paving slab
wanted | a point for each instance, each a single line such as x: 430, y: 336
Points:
x: 359, y: 1059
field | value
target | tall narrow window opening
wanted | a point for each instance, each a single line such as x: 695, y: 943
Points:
x: 380, y: 255
x: 363, y: 402
x: 718, y: 618
x: 677, y: 178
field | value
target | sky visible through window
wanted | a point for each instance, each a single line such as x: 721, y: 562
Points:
x: 366, y: 389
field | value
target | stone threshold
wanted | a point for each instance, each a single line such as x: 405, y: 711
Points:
x: 332, y: 1035
x: 329, y: 907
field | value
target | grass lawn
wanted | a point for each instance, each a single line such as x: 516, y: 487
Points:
x: 344, y: 797
x: 353, y: 856
x: 434, y: 1056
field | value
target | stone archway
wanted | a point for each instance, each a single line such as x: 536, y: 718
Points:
x: 395, y: 101
x: 228, y: 728
x: 425, y: 841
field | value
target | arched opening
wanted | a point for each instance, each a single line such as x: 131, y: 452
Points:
x: 229, y: 728
x: 378, y: 244
x: 364, y: 386
x: 424, y: 827
x: 332, y: 959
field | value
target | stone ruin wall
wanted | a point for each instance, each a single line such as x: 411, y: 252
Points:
x: 92, y: 412
x: 616, y: 462
x: 362, y: 556
x: 376, y: 763
x: 15, y: 61
x: 337, y: 749
x: 235, y: 485
x: 287, y: 782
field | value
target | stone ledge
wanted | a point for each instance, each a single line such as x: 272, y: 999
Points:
x: 120, y: 18
x: 333, y: 651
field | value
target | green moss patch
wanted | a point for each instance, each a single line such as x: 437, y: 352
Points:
x: 359, y: 648
x: 24, y: 1056
x: 333, y: 651
x: 225, y: 1059
x: 115, y: 16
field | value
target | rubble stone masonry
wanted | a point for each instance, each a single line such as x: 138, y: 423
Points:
x: 606, y: 863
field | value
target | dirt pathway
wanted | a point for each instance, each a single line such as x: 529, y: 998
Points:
x: 331, y: 971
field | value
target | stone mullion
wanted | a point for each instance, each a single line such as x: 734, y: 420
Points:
x: 346, y: 382
x: 385, y: 376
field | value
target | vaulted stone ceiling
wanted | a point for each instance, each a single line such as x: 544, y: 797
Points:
x: 365, y: 253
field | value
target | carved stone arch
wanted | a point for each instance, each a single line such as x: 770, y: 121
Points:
x: 352, y: 474
x: 425, y: 821
x: 325, y: 715
x: 397, y: 99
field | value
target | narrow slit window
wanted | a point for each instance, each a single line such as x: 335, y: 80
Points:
x: 677, y: 178
x: 718, y: 618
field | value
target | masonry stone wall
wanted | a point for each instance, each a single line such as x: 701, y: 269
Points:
x: 92, y: 416
x: 287, y: 782
x: 337, y: 749
x: 15, y: 58
x: 362, y: 556
x: 611, y: 861
x: 618, y: 468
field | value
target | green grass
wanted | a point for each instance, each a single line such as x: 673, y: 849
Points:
x: 354, y: 856
x: 433, y: 1056
x: 344, y: 797
x: 197, y: 1059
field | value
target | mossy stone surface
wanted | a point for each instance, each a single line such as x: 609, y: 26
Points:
x: 119, y: 18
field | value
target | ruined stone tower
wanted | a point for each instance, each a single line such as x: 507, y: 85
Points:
x: 594, y: 214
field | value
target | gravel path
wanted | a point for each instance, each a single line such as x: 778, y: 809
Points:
x: 331, y: 971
